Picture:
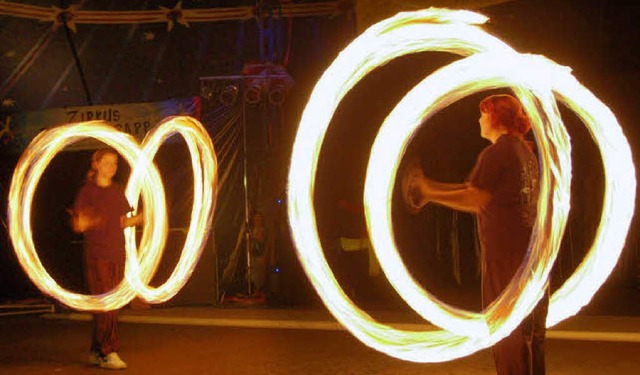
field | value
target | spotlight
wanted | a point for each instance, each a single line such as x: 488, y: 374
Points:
x: 266, y: 81
x: 228, y: 95
x: 207, y: 92
x: 253, y: 94
x: 276, y: 95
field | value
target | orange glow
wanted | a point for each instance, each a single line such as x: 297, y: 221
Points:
x: 490, y: 64
x: 144, y: 178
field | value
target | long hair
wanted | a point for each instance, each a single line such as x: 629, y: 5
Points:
x: 506, y: 111
x: 95, y: 158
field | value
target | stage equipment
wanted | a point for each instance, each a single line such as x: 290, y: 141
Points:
x: 266, y: 80
x: 260, y: 84
x: 276, y: 95
x: 229, y: 94
x: 223, y: 90
x: 253, y: 90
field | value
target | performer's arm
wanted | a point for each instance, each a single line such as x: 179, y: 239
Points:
x: 461, y: 197
x: 418, y: 190
x: 131, y: 221
x: 83, y: 220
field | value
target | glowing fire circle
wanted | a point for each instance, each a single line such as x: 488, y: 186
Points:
x: 144, y: 178
x: 538, y: 82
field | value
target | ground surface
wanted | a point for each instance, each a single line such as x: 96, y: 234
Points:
x: 202, y: 340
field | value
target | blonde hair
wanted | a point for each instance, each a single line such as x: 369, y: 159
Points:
x: 95, y: 158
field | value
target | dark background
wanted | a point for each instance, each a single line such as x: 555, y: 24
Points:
x: 596, y: 38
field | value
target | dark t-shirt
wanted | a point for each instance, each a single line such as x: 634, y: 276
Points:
x: 106, y: 241
x: 508, y: 170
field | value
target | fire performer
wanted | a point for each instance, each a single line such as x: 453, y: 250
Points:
x: 502, y: 190
x: 100, y: 214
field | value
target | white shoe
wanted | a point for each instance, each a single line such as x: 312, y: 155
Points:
x: 112, y: 361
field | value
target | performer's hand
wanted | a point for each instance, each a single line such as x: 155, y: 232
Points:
x: 414, y: 186
x: 82, y: 221
x: 131, y: 221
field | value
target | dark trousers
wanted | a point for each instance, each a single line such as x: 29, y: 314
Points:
x: 522, y: 352
x: 102, y: 276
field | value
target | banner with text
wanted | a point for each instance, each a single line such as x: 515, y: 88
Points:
x: 18, y: 129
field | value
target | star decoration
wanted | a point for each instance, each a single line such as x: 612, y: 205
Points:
x: 64, y: 16
x: 6, y: 135
x: 8, y: 103
x: 174, y: 15
x: 149, y: 36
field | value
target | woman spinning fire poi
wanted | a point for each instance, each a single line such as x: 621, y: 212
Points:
x: 502, y: 191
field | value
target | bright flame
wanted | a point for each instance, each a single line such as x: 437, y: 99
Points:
x: 493, y: 64
x: 144, y: 178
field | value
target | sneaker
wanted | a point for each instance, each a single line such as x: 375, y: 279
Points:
x: 95, y: 358
x: 112, y: 361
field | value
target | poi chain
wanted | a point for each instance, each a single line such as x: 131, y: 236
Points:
x: 538, y: 83
x: 144, y: 179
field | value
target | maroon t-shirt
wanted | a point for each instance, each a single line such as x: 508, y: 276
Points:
x: 105, y: 241
x: 508, y: 170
